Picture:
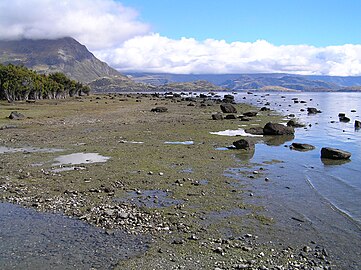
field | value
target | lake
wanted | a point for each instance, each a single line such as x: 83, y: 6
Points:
x: 309, y: 197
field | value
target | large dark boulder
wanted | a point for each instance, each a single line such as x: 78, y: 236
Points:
x: 334, y: 153
x: 16, y: 116
x: 159, y: 109
x: 244, y: 144
x: 228, y: 108
x: 230, y: 117
x: 277, y: 129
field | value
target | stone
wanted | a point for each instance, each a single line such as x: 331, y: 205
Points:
x: 244, y: 144
x: 250, y: 114
x: 344, y: 119
x: 255, y: 130
x: 228, y: 108
x: 311, y: 110
x: 263, y: 109
x: 294, y: 123
x: 230, y: 116
x: 302, y: 146
x: 217, y: 116
x: 159, y: 109
x: 16, y: 116
x: 334, y: 153
x: 277, y: 129
x: 357, y: 124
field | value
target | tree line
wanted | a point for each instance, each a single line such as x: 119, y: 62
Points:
x: 21, y: 83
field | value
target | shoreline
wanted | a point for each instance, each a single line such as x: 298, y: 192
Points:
x: 198, y: 217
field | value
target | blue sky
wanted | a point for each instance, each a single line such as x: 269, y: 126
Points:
x: 281, y: 22
x: 313, y: 37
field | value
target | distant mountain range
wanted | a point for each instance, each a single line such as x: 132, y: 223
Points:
x: 263, y: 81
x: 68, y: 56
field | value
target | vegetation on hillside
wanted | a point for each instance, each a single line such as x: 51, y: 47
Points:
x: 21, y: 83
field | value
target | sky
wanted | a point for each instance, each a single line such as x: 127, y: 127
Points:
x: 320, y: 37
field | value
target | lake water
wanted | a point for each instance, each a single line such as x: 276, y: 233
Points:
x: 337, y: 182
x: 312, y: 199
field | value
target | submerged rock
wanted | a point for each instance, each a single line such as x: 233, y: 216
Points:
x: 357, y: 124
x: 294, y: 123
x: 228, y: 108
x: 344, y: 119
x: 302, y: 146
x: 311, y: 110
x: 277, y: 129
x: 244, y: 144
x: 16, y: 116
x: 334, y: 153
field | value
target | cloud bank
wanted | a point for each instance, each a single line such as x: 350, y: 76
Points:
x: 155, y: 53
x: 116, y: 35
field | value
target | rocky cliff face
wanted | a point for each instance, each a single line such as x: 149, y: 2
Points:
x: 64, y: 55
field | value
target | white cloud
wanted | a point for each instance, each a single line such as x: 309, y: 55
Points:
x: 97, y: 23
x: 116, y: 35
x: 155, y: 53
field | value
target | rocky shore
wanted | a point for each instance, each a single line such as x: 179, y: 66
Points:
x: 165, y: 177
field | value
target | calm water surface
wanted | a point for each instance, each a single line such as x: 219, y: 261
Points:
x: 337, y: 182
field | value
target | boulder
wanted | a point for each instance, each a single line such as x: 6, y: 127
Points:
x: 228, y: 108
x: 16, y: 116
x: 230, y: 116
x: 244, y: 144
x: 277, y: 129
x: 294, y: 123
x: 228, y: 99
x: 263, y: 109
x: 344, y: 119
x: 159, y: 109
x: 311, y: 110
x: 255, y: 130
x: 357, y: 124
x: 250, y: 114
x: 302, y: 146
x: 217, y: 116
x: 334, y: 153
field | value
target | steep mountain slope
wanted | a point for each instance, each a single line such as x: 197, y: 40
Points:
x: 64, y: 55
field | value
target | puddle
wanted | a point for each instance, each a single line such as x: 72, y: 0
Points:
x: 187, y: 170
x: 237, y: 132
x: 231, y: 147
x: 4, y: 149
x: 80, y: 158
x: 134, y: 142
x: 33, y: 240
x: 183, y: 143
x: 151, y: 198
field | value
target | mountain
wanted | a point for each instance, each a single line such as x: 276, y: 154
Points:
x: 64, y: 55
x: 262, y: 81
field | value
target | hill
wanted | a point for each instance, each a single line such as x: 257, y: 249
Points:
x: 65, y: 55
